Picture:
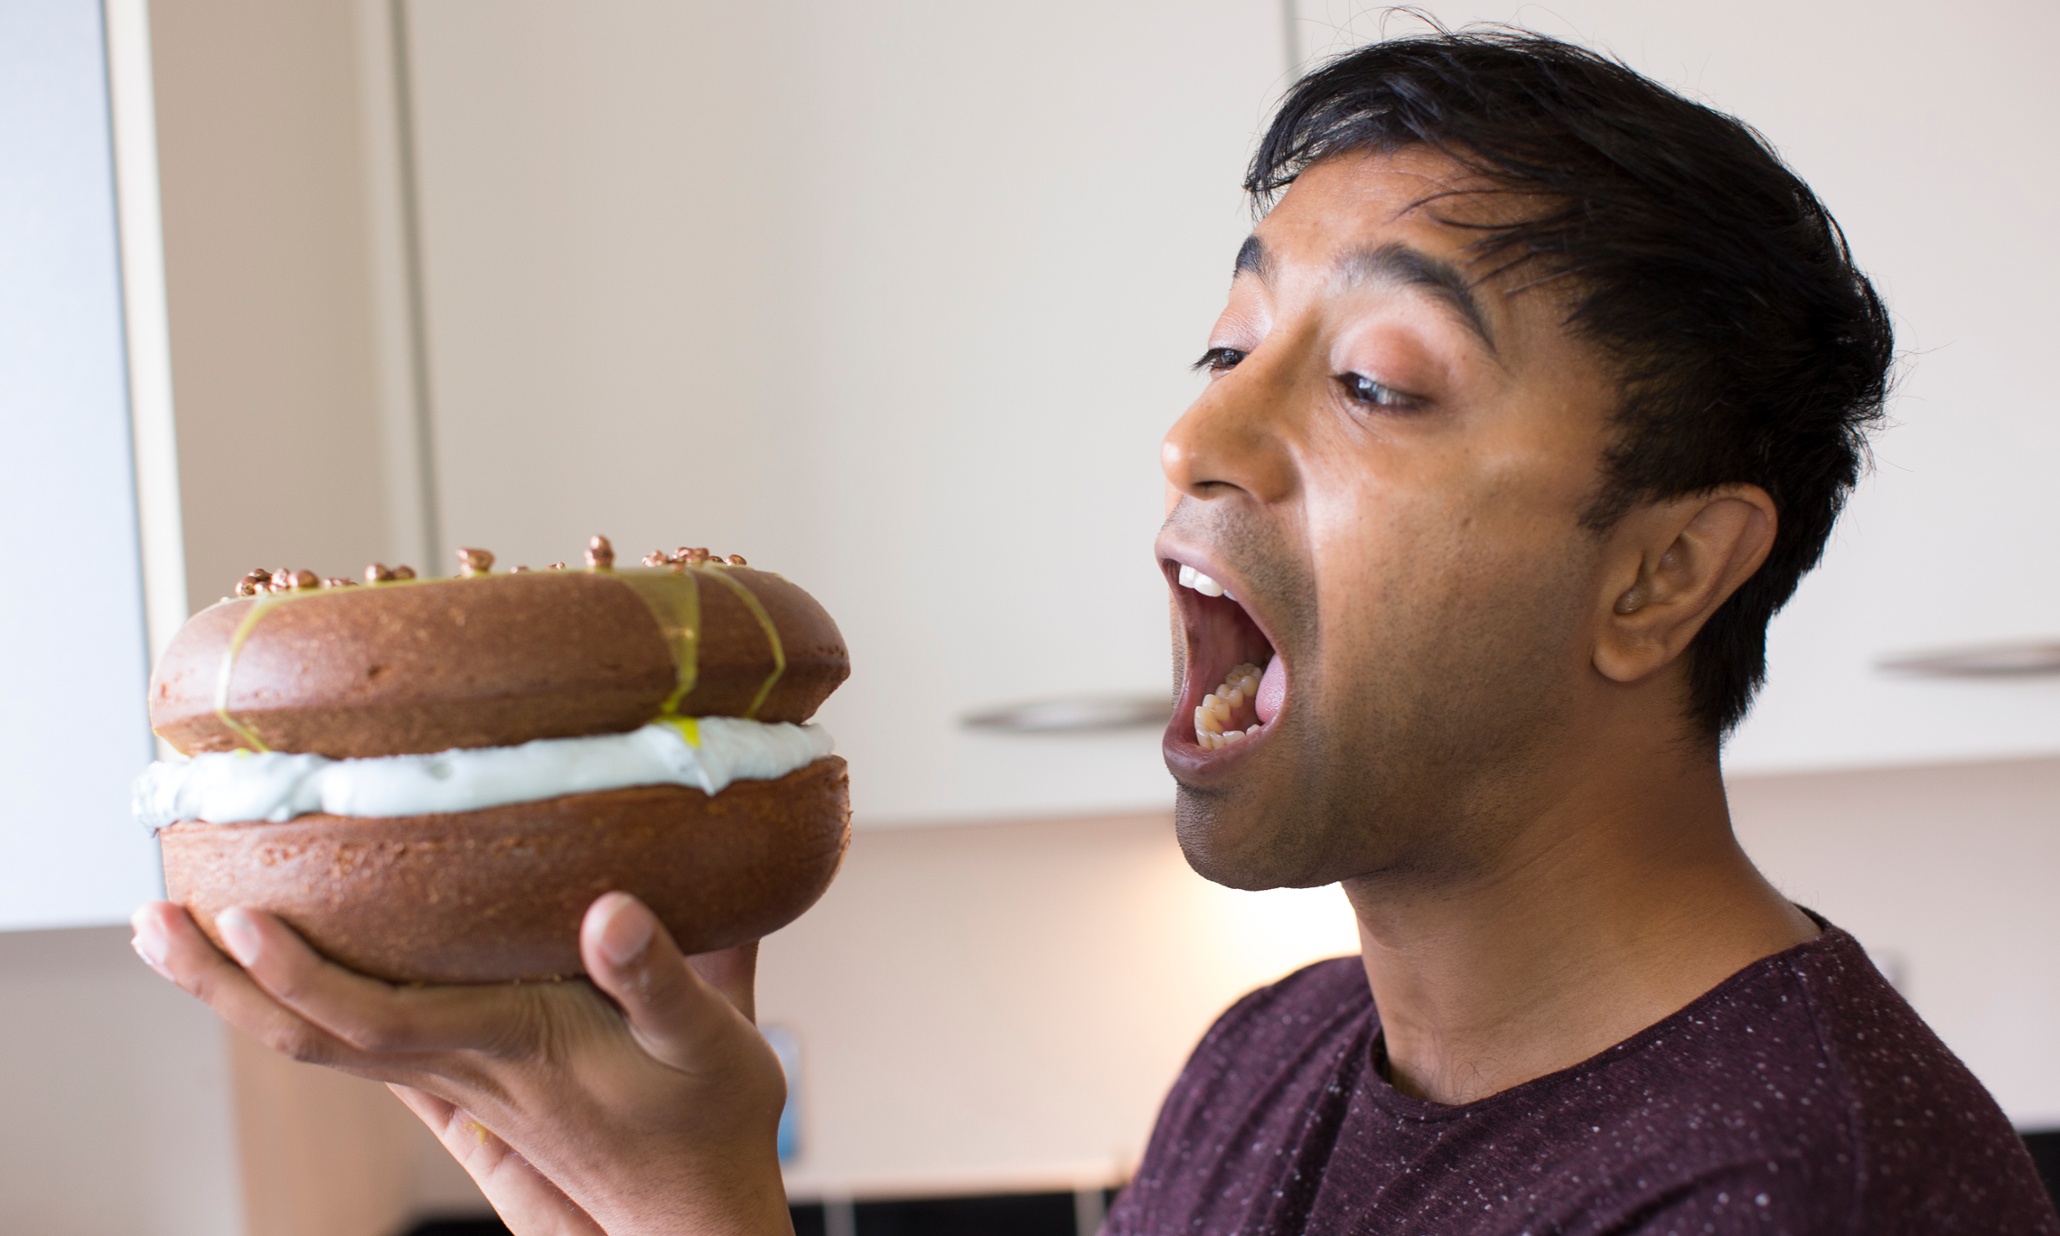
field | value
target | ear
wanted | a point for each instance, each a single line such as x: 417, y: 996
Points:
x: 1667, y: 568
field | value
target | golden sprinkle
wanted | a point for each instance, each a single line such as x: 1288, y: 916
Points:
x: 306, y: 579
x: 475, y: 562
x: 377, y: 573
x: 656, y: 558
x: 737, y: 560
x: 338, y: 582
x: 555, y: 566
x: 600, y: 554
x: 404, y: 572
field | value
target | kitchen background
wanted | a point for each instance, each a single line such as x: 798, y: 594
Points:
x: 897, y: 298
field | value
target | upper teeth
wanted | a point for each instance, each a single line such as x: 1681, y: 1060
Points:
x: 1191, y: 578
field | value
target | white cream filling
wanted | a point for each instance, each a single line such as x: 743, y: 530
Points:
x: 239, y: 787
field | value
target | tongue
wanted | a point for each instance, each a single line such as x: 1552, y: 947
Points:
x: 1272, y: 689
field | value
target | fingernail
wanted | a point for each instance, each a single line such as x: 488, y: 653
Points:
x: 153, y: 963
x: 240, y: 934
x: 149, y: 941
x: 625, y: 936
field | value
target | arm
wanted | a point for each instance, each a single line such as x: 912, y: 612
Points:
x: 644, y: 1102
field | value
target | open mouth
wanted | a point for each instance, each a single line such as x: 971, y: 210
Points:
x: 1235, y: 682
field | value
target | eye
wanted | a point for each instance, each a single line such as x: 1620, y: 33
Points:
x: 1364, y: 390
x: 1218, y: 360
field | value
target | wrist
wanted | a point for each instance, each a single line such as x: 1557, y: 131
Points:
x: 734, y: 1199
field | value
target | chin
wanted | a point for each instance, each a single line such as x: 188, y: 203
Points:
x: 1232, y: 840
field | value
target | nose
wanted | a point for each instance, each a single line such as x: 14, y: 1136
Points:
x: 1232, y: 440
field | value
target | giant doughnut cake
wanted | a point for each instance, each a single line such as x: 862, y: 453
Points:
x: 431, y: 779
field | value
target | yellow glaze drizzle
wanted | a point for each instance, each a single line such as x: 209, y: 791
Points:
x: 258, y: 609
x: 772, y: 638
x: 675, y: 602
x: 260, y: 606
x: 673, y: 597
x: 689, y: 728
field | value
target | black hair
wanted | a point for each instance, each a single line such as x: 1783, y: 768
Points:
x: 1747, y: 346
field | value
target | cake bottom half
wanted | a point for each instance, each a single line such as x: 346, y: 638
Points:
x: 496, y: 895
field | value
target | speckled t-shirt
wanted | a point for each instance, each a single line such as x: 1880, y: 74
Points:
x: 1801, y: 1095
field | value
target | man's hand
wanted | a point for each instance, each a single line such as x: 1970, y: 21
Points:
x: 650, y: 1105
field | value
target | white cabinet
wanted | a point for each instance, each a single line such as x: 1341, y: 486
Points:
x: 897, y: 299
x: 72, y: 618
x: 1930, y: 142
x: 894, y: 298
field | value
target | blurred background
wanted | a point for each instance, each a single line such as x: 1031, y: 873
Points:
x: 896, y: 299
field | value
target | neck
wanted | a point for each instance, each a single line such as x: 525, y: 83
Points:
x: 1610, y: 909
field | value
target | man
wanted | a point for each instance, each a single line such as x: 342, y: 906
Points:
x: 1537, y: 391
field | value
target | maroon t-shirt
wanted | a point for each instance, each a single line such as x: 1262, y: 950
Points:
x: 1801, y: 1095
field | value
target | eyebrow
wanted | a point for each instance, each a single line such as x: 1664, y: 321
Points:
x: 1393, y: 263
x: 1252, y: 259
x: 1399, y: 264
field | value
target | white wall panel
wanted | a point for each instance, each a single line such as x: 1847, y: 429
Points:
x: 72, y: 676
x: 894, y: 298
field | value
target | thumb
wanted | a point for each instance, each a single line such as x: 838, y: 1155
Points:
x: 676, y: 1014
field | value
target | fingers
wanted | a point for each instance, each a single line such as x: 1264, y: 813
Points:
x: 374, y: 1017
x: 171, y: 943
x: 526, y: 1201
x: 671, y: 1009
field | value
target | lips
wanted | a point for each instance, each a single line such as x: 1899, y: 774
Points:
x: 1236, y: 684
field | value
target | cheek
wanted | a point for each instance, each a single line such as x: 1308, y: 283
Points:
x: 1434, y: 559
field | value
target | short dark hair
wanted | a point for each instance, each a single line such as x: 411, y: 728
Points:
x: 1748, y: 347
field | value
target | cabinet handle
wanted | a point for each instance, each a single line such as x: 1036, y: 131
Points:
x: 2014, y: 659
x: 1073, y: 714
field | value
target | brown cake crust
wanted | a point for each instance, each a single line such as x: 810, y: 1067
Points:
x: 497, y: 895
x: 424, y: 666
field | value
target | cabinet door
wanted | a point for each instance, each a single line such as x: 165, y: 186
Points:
x: 1931, y: 146
x: 73, y: 734
x: 896, y: 299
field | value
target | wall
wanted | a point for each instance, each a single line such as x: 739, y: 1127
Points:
x: 292, y: 392
x: 1002, y: 1005
x: 110, y: 1085
x: 268, y: 216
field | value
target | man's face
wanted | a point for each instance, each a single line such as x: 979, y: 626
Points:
x: 1386, y: 474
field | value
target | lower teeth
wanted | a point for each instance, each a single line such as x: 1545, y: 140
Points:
x: 1219, y: 709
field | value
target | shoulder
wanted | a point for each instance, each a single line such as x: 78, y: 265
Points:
x: 1929, y: 1145
x: 1295, y: 1007
x: 1806, y: 1085
x: 1270, y: 1061
x: 1282, y: 1024
x: 1275, y: 1032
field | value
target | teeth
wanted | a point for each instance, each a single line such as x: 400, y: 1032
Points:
x: 1191, y: 578
x: 1215, y: 716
